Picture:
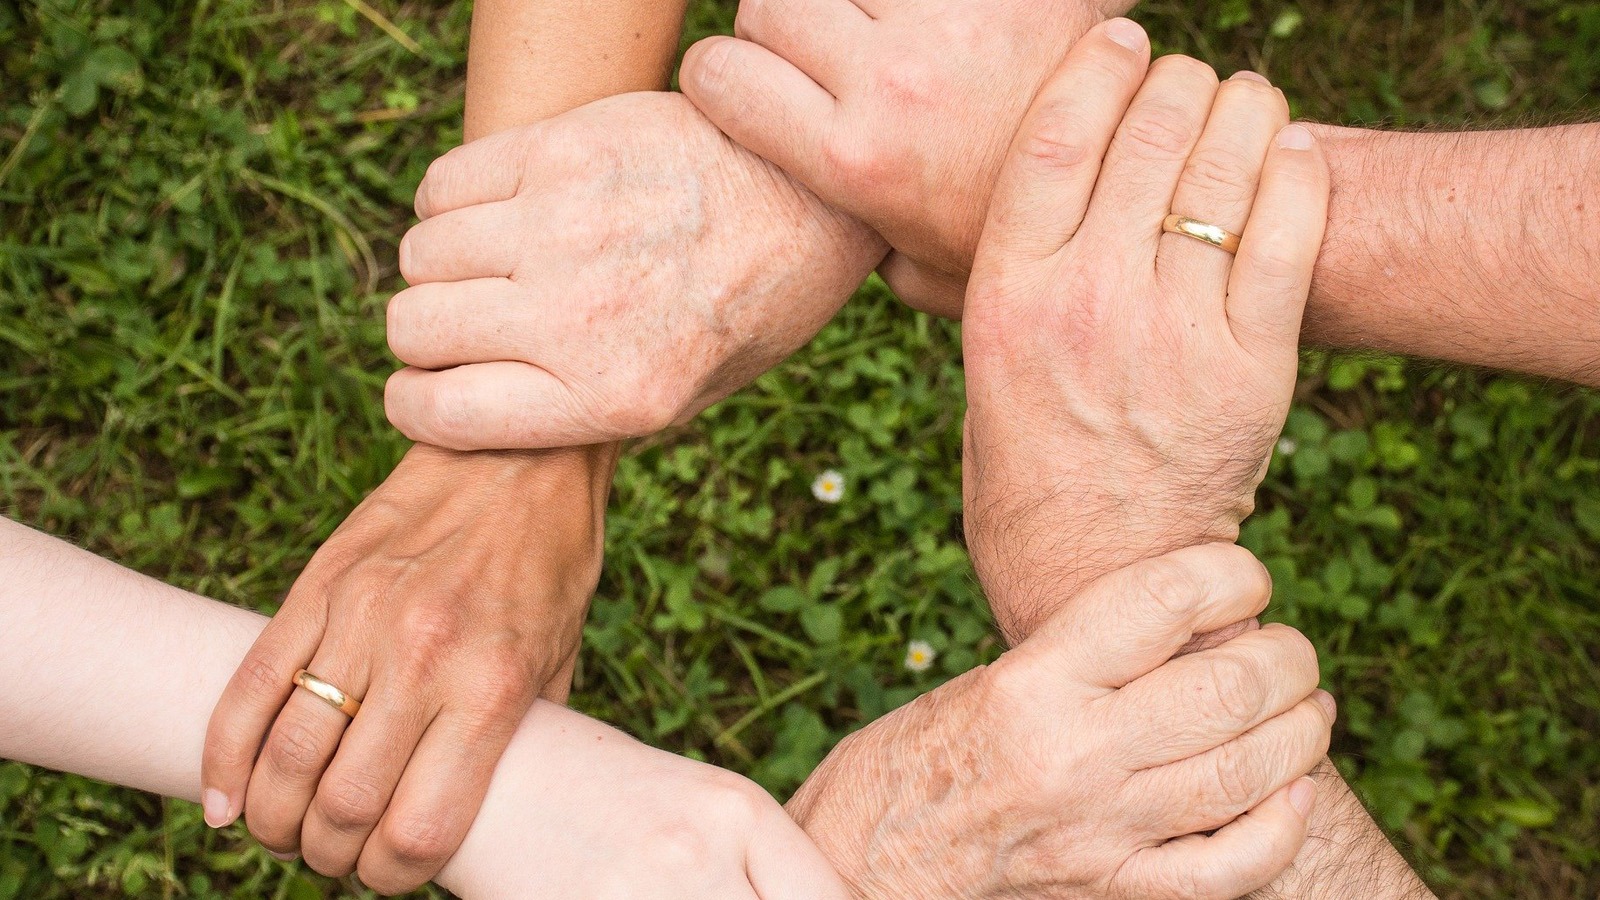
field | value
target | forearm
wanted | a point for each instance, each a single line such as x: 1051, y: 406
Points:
x: 533, y: 59
x: 530, y: 60
x: 1346, y: 856
x: 112, y: 675
x: 1480, y: 248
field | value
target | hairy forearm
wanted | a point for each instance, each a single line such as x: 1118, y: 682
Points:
x: 1479, y: 247
x: 1346, y: 856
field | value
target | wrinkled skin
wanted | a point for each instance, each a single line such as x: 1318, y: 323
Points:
x: 897, y: 112
x: 1086, y: 762
x: 603, y: 275
x: 1123, y: 390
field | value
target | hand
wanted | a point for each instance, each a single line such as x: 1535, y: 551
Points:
x: 1088, y: 762
x: 452, y: 597
x: 898, y: 112
x: 1126, y: 386
x: 580, y: 810
x: 603, y: 275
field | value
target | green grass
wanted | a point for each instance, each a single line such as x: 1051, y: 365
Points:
x: 199, y: 204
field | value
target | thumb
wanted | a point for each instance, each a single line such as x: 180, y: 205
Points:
x: 1129, y: 623
x: 493, y: 406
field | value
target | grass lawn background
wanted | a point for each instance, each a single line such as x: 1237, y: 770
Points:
x: 199, y: 205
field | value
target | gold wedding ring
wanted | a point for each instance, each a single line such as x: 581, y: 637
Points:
x: 1215, y: 235
x: 333, y: 696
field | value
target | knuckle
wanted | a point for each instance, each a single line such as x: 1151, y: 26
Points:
x: 294, y: 749
x: 855, y: 163
x: 504, y: 687
x: 419, y: 840
x: 429, y: 628
x: 1278, y: 265
x: 739, y: 802
x: 1256, y: 92
x: 1178, y: 67
x: 1216, y: 170
x: 1055, y: 142
x: 1298, y: 654
x: 351, y: 804
x: 1168, y: 587
x: 1160, y: 131
x: 709, y: 63
x: 1237, y: 688
x: 1237, y: 776
x: 445, y: 411
x: 260, y: 678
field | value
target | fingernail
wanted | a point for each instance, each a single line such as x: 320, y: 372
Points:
x: 215, y: 804
x: 1127, y: 33
x: 1295, y: 137
x: 1301, y: 795
x: 284, y: 857
x: 1329, y: 705
x: 1247, y: 75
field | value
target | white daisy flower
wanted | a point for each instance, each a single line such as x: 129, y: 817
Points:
x: 919, y: 656
x: 829, y: 487
x: 1287, y: 446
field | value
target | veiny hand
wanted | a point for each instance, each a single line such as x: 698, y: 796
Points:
x: 582, y: 811
x: 1088, y: 762
x: 603, y: 275
x: 898, y: 112
x: 451, y: 598
x: 1126, y: 386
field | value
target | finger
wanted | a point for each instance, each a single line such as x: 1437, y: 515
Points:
x: 1241, y: 857
x: 298, y: 749
x: 819, y: 37
x: 437, y: 798
x: 1218, y: 186
x: 356, y: 789
x: 1156, y: 137
x: 1220, y: 785
x: 1050, y: 174
x: 487, y: 170
x: 1198, y: 702
x: 493, y: 406
x: 436, y: 325
x: 474, y: 242
x: 1217, y: 638
x: 1132, y: 621
x: 250, y: 704
x: 1272, y: 275
x: 764, y: 103
x: 921, y: 288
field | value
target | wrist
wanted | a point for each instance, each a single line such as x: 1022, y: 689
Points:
x: 549, y: 503
x: 1032, y: 559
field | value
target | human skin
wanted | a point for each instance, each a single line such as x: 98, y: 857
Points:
x: 1047, y: 324
x: 112, y: 675
x: 1137, y: 745
x: 455, y: 594
x: 1475, y: 248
